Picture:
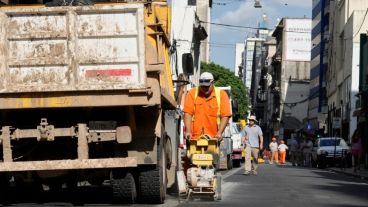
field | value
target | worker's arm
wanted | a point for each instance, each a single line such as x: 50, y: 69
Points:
x: 244, y: 137
x: 223, y: 123
x: 188, y: 126
x: 261, y: 142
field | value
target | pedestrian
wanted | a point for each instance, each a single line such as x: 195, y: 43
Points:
x: 282, y: 151
x: 300, y: 152
x: 274, y: 151
x: 307, y: 152
x: 252, y: 137
x: 356, y: 148
x: 206, y: 109
x: 294, y: 146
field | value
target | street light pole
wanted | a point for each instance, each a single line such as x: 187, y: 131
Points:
x: 257, y: 4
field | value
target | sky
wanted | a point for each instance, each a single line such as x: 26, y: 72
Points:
x: 242, y: 13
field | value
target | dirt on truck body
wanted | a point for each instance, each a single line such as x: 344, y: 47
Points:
x: 86, y: 95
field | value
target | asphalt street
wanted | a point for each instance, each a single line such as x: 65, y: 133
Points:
x: 273, y: 186
x: 290, y: 186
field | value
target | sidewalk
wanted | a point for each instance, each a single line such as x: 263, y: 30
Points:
x: 362, y: 173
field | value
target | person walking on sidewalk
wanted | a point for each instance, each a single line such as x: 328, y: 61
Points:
x: 307, y: 152
x: 252, y: 138
x: 282, y: 151
x: 356, y: 148
x: 294, y: 147
x: 274, y: 151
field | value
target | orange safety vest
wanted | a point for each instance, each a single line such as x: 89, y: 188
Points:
x: 218, y: 99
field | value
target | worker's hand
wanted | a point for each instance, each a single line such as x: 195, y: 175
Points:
x: 188, y: 135
x: 218, y: 136
x: 261, y: 147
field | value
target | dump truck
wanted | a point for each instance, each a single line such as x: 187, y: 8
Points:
x: 86, y: 95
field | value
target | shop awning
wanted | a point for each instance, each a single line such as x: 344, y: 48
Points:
x: 359, y: 112
x: 291, y: 123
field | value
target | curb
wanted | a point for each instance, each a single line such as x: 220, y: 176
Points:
x: 349, y: 174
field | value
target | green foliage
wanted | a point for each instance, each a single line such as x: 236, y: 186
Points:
x: 224, y: 77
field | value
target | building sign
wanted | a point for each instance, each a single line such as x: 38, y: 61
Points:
x: 336, y: 123
x: 297, y: 41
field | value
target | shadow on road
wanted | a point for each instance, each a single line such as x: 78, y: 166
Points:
x: 81, y: 196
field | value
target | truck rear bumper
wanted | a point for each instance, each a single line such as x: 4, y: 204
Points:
x: 237, y: 156
x: 68, y: 164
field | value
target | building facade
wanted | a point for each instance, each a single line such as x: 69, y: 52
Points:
x: 186, y: 38
x: 362, y: 103
x: 346, y: 23
x: 346, y: 74
x: 239, y: 54
x: 204, y: 14
x: 252, y: 53
x: 267, y: 94
x: 290, y: 76
x: 317, y: 109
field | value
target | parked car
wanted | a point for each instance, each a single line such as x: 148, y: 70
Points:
x: 237, y: 145
x: 331, y: 151
x: 226, y: 148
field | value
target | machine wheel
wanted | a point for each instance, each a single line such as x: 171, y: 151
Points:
x: 153, y: 181
x: 4, y: 189
x: 236, y: 163
x: 218, y: 195
x: 123, y: 187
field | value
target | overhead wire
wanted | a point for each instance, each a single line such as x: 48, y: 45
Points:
x: 364, y: 18
x: 226, y: 2
x: 247, y: 27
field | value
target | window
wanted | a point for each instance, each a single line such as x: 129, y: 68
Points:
x: 329, y: 142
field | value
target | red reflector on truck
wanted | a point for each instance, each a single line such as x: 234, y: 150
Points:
x: 109, y: 72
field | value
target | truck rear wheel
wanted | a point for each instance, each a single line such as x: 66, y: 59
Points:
x: 123, y: 187
x: 153, y: 181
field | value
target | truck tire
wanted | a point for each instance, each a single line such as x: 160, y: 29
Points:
x: 123, y: 187
x: 153, y: 181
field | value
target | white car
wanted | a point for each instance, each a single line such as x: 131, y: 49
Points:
x: 330, y: 151
x: 237, y: 145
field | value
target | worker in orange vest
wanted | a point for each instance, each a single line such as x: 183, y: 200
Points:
x: 206, y: 109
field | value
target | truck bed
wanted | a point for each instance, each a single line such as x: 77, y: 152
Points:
x: 85, y: 48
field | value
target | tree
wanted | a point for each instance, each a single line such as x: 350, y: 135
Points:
x: 224, y: 77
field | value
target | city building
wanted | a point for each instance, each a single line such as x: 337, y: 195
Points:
x: 290, y: 76
x: 204, y: 15
x: 186, y: 38
x: 362, y: 103
x: 317, y: 109
x: 267, y: 94
x: 347, y: 22
x: 239, y: 54
x: 251, y: 55
x: 346, y: 75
